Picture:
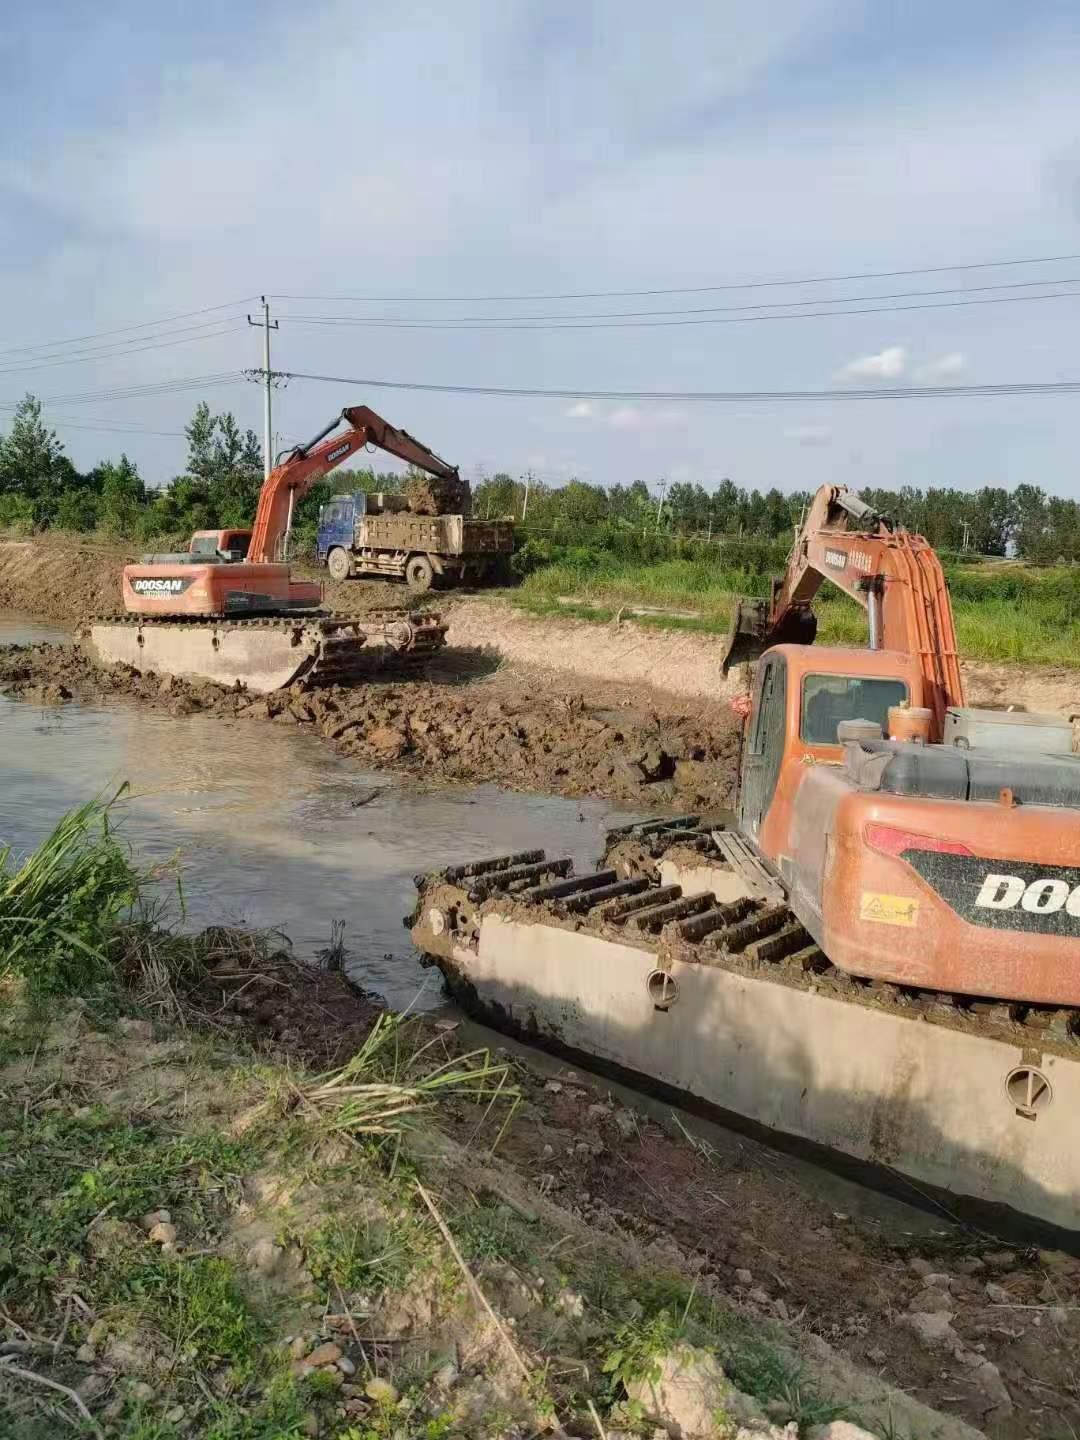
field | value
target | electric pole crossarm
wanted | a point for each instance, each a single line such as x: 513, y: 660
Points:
x: 268, y: 435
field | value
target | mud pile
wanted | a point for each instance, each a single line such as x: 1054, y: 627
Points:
x: 497, y: 729
x: 438, y: 495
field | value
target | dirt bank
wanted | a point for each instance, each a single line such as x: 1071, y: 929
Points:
x: 442, y: 1243
x: 850, y: 1281
x: 470, y: 721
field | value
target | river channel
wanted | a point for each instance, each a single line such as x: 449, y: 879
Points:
x: 268, y: 827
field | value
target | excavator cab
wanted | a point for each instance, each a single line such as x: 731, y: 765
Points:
x: 226, y: 547
x: 801, y: 696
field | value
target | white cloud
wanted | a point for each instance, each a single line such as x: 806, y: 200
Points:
x: 631, y: 417
x: 581, y: 410
x: 954, y: 363
x: 887, y: 364
x: 809, y: 434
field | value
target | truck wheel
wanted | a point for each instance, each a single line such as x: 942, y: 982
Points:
x: 419, y: 574
x: 339, y: 563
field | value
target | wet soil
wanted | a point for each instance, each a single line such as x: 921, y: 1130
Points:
x: 753, y: 1230
x: 856, y: 1283
x: 468, y: 720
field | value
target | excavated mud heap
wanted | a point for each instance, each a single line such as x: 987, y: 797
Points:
x: 438, y: 495
x: 500, y: 729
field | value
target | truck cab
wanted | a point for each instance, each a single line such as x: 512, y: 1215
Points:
x: 337, y: 523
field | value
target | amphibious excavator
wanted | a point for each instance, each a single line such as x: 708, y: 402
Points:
x: 228, y: 609
x: 896, y: 858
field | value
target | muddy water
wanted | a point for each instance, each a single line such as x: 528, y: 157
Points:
x: 270, y: 828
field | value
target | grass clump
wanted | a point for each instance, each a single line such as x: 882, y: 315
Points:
x: 393, y: 1080
x: 60, y: 907
x: 359, y: 1256
x: 198, y: 1305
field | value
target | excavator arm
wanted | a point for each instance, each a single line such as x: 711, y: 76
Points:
x: 894, y: 575
x: 290, y: 481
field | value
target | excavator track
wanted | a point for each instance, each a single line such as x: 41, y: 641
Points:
x: 270, y: 652
x: 762, y: 938
x: 638, y: 970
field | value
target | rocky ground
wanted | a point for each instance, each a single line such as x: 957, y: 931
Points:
x: 208, y: 1233
x: 469, y: 720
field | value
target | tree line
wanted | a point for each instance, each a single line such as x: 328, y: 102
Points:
x: 991, y: 520
x: 40, y: 488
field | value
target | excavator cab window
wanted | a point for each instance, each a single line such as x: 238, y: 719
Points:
x: 828, y: 699
x: 764, y: 754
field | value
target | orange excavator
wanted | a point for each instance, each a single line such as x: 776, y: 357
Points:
x: 228, y: 608
x: 918, y: 841
x: 880, y: 955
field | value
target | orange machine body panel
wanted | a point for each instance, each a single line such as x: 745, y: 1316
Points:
x: 967, y: 897
x: 181, y: 589
x: 964, y: 896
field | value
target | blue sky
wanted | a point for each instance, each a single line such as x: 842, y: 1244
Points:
x: 155, y: 164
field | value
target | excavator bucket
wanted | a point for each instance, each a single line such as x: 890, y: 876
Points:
x: 751, y: 633
x: 265, y: 654
x: 746, y: 638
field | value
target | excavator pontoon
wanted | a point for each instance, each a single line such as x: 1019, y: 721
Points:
x: 228, y: 609
x: 880, y: 954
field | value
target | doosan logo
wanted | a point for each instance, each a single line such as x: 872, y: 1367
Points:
x: 337, y: 453
x: 1037, y: 897
x: 148, y: 586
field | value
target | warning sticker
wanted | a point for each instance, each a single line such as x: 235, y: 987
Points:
x: 888, y: 909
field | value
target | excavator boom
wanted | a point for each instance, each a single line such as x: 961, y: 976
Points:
x: 289, y: 482
x: 896, y: 577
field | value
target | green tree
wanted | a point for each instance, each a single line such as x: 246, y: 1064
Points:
x: 123, y: 496
x: 33, y: 466
x: 225, y: 467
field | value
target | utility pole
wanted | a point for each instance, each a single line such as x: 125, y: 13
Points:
x: 267, y: 374
x: 660, y: 508
x: 525, y: 502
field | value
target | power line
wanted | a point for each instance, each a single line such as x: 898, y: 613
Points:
x: 571, y: 323
x: 905, y: 392
x: 142, y: 325
x: 113, y: 354
x: 147, y: 390
x: 689, y: 289
x: 67, y: 424
x: 696, y: 310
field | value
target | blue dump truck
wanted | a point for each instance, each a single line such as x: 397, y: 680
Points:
x: 377, y: 535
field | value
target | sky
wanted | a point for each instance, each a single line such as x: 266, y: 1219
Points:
x: 410, y: 160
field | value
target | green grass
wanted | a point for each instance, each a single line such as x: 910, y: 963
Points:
x: 1003, y: 613
x: 59, y: 1171
x: 60, y: 907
